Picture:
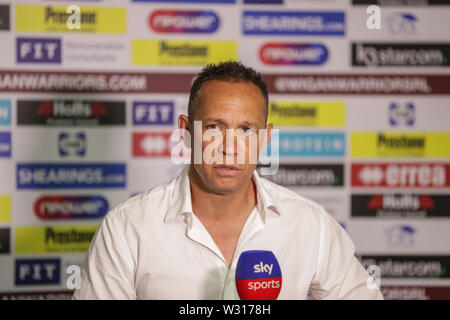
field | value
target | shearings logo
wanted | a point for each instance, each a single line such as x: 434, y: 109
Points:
x: 294, y: 23
x: 182, y: 52
x: 37, y: 18
x: 400, y: 54
x: 308, y: 113
x: 184, y: 21
x: 391, y: 144
x: 53, y: 238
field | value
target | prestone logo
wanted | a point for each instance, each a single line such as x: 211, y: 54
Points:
x: 177, y: 21
x: 401, y: 205
x: 70, y: 113
x: 36, y: 18
x: 293, y: 53
x: 74, y: 238
x: 182, y: 52
x: 38, y: 50
x: 293, y: 23
x: 404, y: 54
x: 37, y: 271
x: 70, y: 207
x: 309, y: 175
x: 400, y: 144
x: 310, y: 113
x: 401, y: 175
x: 70, y: 175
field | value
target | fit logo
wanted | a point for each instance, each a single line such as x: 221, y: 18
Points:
x: 153, y: 113
x: 37, y: 271
x: 38, y: 50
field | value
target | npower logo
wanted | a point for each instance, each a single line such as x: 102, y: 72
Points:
x: 70, y: 207
x: 293, y: 53
x: 176, y: 21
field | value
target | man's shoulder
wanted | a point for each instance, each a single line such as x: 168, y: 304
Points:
x: 153, y: 201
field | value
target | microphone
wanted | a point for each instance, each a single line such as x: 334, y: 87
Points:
x: 258, y: 275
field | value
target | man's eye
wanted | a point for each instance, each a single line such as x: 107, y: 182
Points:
x: 212, y: 127
x: 247, y: 132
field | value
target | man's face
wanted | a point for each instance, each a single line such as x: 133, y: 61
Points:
x: 238, y: 108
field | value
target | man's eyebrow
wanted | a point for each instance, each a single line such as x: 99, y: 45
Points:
x: 222, y: 121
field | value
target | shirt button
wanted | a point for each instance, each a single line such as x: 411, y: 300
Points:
x: 228, y: 282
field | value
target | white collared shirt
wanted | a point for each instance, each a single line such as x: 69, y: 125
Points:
x: 154, y: 247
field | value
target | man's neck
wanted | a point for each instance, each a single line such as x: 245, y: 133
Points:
x: 212, y: 206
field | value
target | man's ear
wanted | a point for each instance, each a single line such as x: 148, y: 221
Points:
x: 183, y: 124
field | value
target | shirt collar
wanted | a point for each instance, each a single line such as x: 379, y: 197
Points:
x: 181, y: 202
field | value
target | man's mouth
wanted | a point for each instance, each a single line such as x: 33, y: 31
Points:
x: 226, y: 170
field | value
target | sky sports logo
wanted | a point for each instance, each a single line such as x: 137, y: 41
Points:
x: 294, y: 23
x: 70, y: 175
x: 70, y: 112
x: 177, y: 21
x: 153, y: 113
x: 400, y: 205
x: 37, y: 272
x: 258, y: 275
x: 309, y: 175
x: 5, y: 144
x: 70, y: 207
x: 309, y: 144
x: 38, y: 50
x: 293, y: 54
x: 400, y: 54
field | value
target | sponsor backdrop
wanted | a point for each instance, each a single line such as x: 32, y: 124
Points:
x: 86, y: 116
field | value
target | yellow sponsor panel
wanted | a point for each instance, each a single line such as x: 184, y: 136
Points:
x: 321, y: 114
x: 182, y: 52
x: 5, y: 208
x: 37, y: 18
x: 400, y: 144
x: 45, y: 239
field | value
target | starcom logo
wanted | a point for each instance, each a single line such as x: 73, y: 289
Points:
x: 70, y: 207
x: 293, y: 54
x: 177, y: 21
x: 401, y: 175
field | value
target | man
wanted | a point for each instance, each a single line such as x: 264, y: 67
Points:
x: 182, y: 240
